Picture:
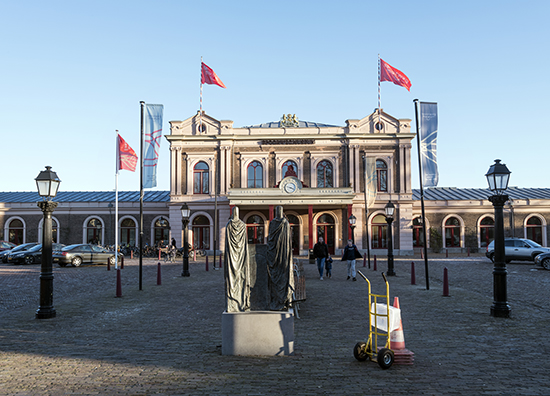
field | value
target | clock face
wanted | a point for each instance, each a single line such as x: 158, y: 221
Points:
x: 290, y: 188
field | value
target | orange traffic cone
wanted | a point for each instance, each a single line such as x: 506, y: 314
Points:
x: 397, y: 342
x: 397, y: 338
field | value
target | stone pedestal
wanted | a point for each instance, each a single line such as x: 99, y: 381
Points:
x: 267, y: 333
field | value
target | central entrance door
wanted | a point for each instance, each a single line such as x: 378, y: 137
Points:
x: 325, y: 229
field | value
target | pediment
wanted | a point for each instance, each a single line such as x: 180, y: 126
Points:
x: 190, y: 126
x: 372, y: 122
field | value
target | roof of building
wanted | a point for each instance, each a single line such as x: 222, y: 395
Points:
x: 430, y: 194
x: 88, y: 196
x: 301, y: 124
x: 465, y: 194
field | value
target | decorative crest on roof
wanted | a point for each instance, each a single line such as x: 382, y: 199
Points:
x: 290, y: 121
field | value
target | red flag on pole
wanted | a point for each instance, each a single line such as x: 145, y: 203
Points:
x: 390, y: 73
x: 126, y: 156
x: 209, y: 77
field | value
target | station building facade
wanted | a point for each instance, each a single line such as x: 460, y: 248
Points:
x: 315, y: 171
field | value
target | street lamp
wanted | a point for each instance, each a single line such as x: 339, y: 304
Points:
x: 390, y: 210
x: 498, y: 176
x: 185, y: 212
x: 352, y: 220
x: 47, y: 183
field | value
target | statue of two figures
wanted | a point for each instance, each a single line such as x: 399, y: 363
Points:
x: 279, y: 264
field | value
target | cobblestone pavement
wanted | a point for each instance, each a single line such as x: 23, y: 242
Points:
x: 166, y: 340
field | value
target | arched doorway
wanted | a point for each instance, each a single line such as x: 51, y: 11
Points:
x: 379, y: 228
x: 162, y: 232
x: 452, y: 232
x: 325, y: 229
x: 486, y: 231
x: 255, y: 229
x: 128, y: 232
x: 533, y: 229
x: 15, y: 231
x: 201, y: 232
x: 418, y: 234
x: 294, y: 233
x: 94, y: 229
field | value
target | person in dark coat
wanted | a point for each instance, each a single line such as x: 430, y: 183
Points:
x: 320, y: 251
x: 351, y: 253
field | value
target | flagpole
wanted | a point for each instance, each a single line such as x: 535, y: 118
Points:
x: 142, y: 104
x: 200, y: 112
x: 418, y: 137
x: 116, y: 199
x: 216, y: 231
x: 379, y: 123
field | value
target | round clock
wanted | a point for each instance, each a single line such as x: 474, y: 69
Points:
x: 290, y: 188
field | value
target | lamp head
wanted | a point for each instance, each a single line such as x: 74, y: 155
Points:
x: 185, y: 212
x: 389, y: 209
x: 498, y: 177
x: 47, y: 183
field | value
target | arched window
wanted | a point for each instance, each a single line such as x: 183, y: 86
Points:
x: 15, y: 231
x: 486, y: 231
x: 255, y: 229
x: 534, y: 229
x: 379, y: 232
x: 128, y: 232
x: 381, y: 176
x: 94, y: 232
x: 452, y: 232
x: 290, y: 169
x: 325, y: 229
x: 201, y: 178
x: 294, y: 233
x: 255, y: 175
x: 201, y: 232
x: 324, y: 174
x: 162, y: 231
x: 418, y: 234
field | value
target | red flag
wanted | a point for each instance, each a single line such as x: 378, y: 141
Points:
x: 209, y: 77
x: 389, y: 73
x: 126, y: 156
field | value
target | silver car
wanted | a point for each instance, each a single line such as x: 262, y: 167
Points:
x: 518, y: 249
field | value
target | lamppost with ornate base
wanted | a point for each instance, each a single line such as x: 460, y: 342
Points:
x: 185, y: 212
x: 498, y: 177
x: 390, y: 210
x: 47, y: 183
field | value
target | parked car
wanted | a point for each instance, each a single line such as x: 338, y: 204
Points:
x: 5, y: 245
x: 32, y: 255
x: 18, y: 248
x: 543, y: 260
x: 84, y: 253
x: 517, y: 249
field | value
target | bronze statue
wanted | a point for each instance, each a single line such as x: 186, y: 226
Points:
x: 236, y: 269
x: 279, y: 259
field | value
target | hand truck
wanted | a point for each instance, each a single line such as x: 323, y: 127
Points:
x: 369, y: 349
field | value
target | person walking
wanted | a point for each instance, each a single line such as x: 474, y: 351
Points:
x: 350, y: 254
x: 320, y: 252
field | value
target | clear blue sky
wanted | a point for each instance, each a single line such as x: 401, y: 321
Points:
x: 72, y: 72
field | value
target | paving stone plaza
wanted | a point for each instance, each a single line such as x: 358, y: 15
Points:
x: 166, y: 339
